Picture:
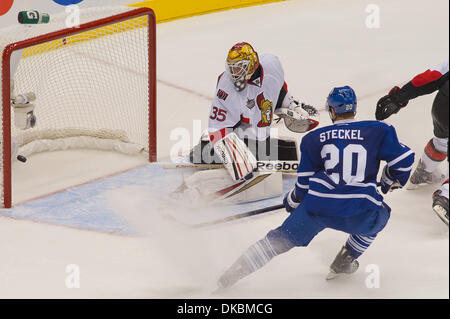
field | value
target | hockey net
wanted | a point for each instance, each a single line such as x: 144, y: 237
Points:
x: 95, y: 85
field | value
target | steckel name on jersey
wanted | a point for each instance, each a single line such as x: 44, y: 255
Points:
x: 348, y: 173
x: 341, y: 134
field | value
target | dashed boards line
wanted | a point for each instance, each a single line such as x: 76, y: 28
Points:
x: 209, y: 98
x: 184, y: 89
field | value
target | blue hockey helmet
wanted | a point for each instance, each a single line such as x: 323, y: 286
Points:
x: 342, y: 100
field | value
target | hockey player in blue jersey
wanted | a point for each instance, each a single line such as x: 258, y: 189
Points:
x: 336, y: 188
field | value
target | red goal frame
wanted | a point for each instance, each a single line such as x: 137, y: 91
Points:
x: 6, y: 107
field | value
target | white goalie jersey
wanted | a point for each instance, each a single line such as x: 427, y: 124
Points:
x: 248, y: 95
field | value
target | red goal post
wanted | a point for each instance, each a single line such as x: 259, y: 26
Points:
x: 91, y: 47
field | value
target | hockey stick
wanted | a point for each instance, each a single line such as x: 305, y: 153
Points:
x: 263, y: 166
x: 240, y: 216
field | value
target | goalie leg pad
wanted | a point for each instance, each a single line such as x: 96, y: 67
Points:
x: 235, y: 155
x: 217, y: 186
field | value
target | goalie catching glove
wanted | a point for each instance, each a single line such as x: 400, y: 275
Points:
x: 298, y: 117
x: 236, y: 157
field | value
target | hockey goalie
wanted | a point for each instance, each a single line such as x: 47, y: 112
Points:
x: 248, y: 95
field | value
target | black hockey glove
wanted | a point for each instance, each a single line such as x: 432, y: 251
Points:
x: 389, y: 104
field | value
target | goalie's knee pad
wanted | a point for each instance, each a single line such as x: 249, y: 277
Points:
x: 235, y: 155
x: 217, y: 185
x: 203, y: 153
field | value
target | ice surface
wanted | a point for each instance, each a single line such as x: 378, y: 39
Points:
x: 96, y: 204
x: 321, y: 44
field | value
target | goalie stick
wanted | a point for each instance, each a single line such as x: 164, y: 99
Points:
x: 243, y: 215
x: 263, y: 166
x: 240, y: 216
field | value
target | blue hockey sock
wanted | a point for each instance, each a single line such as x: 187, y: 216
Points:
x: 357, y: 244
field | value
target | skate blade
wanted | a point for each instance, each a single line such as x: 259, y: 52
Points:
x: 440, y: 212
x: 219, y: 290
x: 332, y: 275
x: 411, y: 186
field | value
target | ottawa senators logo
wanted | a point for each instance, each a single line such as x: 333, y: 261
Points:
x: 266, y: 108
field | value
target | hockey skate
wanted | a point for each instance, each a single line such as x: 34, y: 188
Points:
x: 236, y: 272
x: 421, y: 177
x: 440, y: 206
x: 343, y: 264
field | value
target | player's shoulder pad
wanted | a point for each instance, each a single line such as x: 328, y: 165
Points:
x: 374, y: 123
x: 223, y: 80
x: 379, y: 125
x: 382, y: 128
x: 224, y: 87
x: 268, y: 59
x: 271, y: 65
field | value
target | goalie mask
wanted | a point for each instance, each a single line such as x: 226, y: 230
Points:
x: 242, y: 61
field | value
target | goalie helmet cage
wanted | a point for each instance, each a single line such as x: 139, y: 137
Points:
x: 109, y: 59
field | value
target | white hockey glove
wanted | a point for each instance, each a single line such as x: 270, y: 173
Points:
x: 290, y: 202
x: 298, y: 117
x: 388, y: 183
x: 24, y: 117
x: 235, y: 156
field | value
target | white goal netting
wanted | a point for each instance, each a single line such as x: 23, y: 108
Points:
x: 92, y: 88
